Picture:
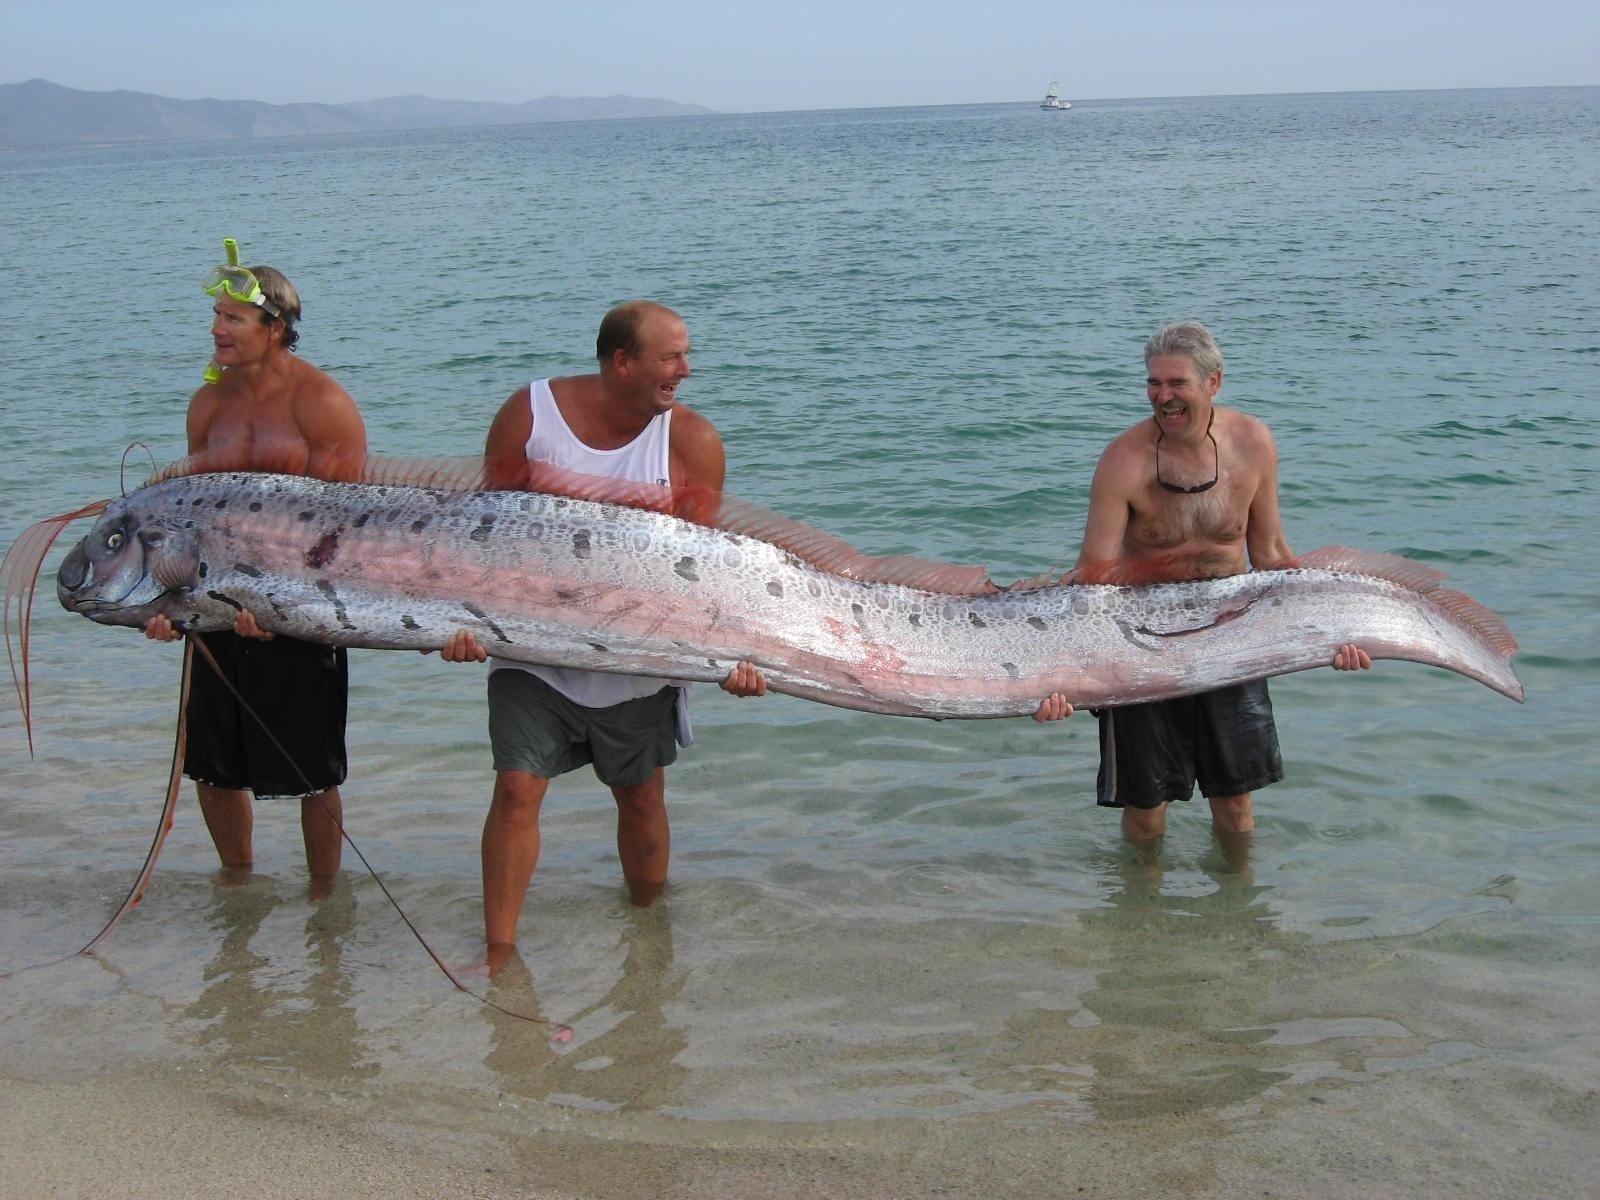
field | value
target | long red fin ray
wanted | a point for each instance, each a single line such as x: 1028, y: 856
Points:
x: 1414, y: 575
x: 1490, y: 624
x: 19, y: 577
x: 169, y: 806
x: 1421, y: 579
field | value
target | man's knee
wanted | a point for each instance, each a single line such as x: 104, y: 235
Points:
x: 645, y: 798
x: 518, y: 795
x: 1142, y: 824
x: 1233, y: 814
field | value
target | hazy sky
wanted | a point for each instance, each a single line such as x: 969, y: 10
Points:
x: 757, y: 56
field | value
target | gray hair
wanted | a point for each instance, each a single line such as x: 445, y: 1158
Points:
x: 1191, y: 339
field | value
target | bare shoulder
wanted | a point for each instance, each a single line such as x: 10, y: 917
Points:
x: 512, y: 424
x: 1126, y: 453
x: 1244, y: 428
x: 324, y: 411
x: 696, y: 450
x: 314, y: 386
x: 691, y: 428
x: 203, y: 406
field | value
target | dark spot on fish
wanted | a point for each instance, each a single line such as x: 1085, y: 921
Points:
x: 255, y: 506
x: 205, y: 569
x: 977, y: 621
x: 685, y: 567
x: 1128, y: 631
x: 278, y: 608
x: 485, y: 524
x: 1011, y: 670
x: 774, y: 588
x: 484, y: 617
x: 420, y: 524
x: 405, y: 620
x: 362, y: 520
x: 597, y: 647
x: 328, y: 590
x: 1236, y: 608
x: 222, y: 503
x: 580, y: 544
x: 857, y: 611
x: 916, y: 619
x: 220, y: 598
x: 308, y: 515
x: 325, y: 551
x: 1038, y: 623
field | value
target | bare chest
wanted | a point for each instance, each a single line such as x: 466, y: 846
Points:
x: 1164, y: 521
x: 264, y: 435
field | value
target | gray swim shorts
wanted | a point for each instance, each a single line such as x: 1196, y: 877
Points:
x: 1153, y: 754
x: 534, y: 728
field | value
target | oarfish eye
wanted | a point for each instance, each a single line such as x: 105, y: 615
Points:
x: 114, y: 540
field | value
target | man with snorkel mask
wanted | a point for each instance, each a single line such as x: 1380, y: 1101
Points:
x: 262, y: 408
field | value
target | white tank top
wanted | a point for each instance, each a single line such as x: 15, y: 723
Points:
x: 645, y: 460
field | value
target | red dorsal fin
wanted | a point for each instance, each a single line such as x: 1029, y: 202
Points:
x: 837, y: 557
x: 19, y: 576
x: 467, y: 473
x: 690, y: 502
x: 1138, y: 572
x: 1419, y: 578
x: 1486, y: 621
x: 1414, y: 575
x: 559, y: 481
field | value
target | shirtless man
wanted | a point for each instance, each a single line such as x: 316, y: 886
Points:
x: 1196, y: 487
x: 263, y: 409
x: 624, y: 422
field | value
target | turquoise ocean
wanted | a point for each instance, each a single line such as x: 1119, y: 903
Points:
x: 895, y: 956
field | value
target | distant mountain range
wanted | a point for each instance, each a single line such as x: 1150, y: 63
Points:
x: 39, y: 114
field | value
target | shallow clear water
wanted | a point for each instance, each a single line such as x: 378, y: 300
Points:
x: 916, y: 328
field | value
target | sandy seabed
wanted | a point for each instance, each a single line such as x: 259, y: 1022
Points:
x: 153, y: 1132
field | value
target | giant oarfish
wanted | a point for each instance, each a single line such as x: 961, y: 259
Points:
x: 602, y: 585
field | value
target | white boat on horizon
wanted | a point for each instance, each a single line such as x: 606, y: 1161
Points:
x: 1052, y: 99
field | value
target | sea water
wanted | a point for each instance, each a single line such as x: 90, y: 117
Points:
x: 916, y: 328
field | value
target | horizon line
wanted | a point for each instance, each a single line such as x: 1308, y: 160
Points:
x: 753, y: 112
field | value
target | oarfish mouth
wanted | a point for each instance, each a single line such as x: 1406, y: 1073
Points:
x: 79, y: 590
x: 94, y: 604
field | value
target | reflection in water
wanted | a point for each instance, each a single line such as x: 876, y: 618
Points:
x: 252, y: 1020
x: 1148, y: 987
x: 626, y: 1054
x: 1183, y: 975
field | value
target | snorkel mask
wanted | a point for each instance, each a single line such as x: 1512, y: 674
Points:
x: 237, y: 283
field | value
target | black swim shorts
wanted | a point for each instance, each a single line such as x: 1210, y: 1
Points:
x: 534, y: 728
x: 299, y: 689
x: 1152, y: 754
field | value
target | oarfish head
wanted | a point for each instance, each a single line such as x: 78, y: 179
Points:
x: 125, y: 566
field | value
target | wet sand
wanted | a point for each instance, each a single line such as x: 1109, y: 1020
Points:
x: 147, y: 1134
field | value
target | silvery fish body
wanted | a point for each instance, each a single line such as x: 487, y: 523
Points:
x: 576, y: 583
